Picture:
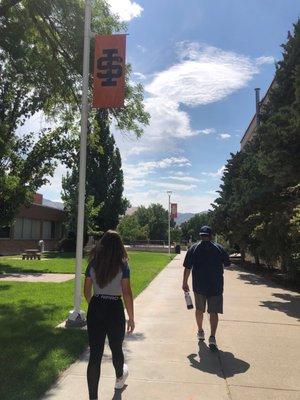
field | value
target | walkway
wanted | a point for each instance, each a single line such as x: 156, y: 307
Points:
x: 35, y: 277
x: 258, y: 340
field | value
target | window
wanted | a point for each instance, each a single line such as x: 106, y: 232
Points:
x: 36, y: 229
x: 25, y: 228
x: 47, y: 229
x: 18, y: 228
x: 53, y: 230
x: 4, y: 232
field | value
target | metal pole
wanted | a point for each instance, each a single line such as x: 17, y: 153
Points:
x: 76, y: 316
x: 169, y: 222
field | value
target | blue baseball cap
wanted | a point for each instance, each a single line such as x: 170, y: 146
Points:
x: 205, y: 231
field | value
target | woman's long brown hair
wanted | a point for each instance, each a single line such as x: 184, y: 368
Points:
x: 109, y: 255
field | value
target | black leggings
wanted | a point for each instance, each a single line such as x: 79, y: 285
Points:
x: 105, y: 317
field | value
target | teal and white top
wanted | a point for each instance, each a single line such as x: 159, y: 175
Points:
x: 113, y: 288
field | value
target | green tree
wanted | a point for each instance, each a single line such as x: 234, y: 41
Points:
x: 194, y: 224
x: 258, y: 204
x: 156, y: 218
x: 104, y: 180
x: 41, y: 66
x: 131, y: 231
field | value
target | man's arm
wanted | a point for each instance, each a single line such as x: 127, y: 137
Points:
x: 226, y: 260
x: 186, y: 274
x: 187, y: 270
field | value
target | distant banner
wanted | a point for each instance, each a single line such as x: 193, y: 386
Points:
x: 109, y: 71
x: 173, y: 210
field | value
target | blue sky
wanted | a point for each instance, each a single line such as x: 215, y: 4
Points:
x: 199, y: 62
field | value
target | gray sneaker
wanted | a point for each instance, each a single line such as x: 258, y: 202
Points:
x: 200, y: 335
x: 212, y: 343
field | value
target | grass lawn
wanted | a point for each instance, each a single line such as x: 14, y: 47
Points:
x: 65, y: 262
x: 33, y: 352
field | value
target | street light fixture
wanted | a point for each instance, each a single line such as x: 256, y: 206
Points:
x: 169, y: 192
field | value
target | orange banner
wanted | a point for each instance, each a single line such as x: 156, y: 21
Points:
x: 173, y: 210
x: 109, y: 71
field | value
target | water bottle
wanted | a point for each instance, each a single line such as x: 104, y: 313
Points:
x: 188, y: 300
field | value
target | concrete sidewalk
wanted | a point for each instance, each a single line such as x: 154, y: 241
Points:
x: 258, y: 339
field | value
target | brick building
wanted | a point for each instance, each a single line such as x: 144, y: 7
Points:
x: 33, y: 223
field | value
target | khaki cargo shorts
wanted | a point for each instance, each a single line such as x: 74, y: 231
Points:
x: 214, y: 303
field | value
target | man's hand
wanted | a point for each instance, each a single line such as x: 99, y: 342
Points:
x: 185, y: 287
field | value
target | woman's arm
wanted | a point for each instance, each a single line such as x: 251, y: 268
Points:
x: 88, y: 284
x: 128, y: 301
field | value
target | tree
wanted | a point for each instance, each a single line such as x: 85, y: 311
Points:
x: 156, y: 218
x: 131, y: 231
x: 194, y: 224
x: 257, y: 209
x: 104, y: 180
x: 41, y: 66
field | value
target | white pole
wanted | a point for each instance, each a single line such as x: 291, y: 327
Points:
x: 169, y: 222
x: 76, y: 316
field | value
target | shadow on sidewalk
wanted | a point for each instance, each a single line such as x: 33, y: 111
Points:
x: 252, y: 279
x: 221, y: 363
x: 290, y: 307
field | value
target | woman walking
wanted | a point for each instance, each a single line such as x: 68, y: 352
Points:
x: 108, y: 275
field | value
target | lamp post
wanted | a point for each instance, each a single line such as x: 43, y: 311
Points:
x: 169, y: 192
x: 76, y: 317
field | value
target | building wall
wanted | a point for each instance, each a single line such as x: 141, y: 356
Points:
x: 12, y: 246
x: 250, y: 131
x: 33, y: 223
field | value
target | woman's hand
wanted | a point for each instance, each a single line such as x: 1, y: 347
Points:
x: 130, y: 326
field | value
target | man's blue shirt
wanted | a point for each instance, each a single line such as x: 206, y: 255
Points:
x: 206, y: 259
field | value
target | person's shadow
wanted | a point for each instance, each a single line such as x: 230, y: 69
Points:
x: 221, y: 363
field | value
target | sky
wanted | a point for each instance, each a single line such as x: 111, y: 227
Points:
x: 199, y: 62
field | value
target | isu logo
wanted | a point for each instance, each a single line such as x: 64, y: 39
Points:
x: 111, y: 65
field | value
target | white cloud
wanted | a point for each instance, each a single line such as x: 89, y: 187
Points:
x: 265, y: 60
x: 217, y: 174
x: 186, y: 201
x: 204, y: 75
x: 141, y: 48
x: 135, y: 175
x: 136, y: 150
x: 167, y: 120
x: 207, y: 131
x: 126, y: 9
x: 224, y: 136
x: 183, y: 178
x: 175, y: 186
x: 139, y: 75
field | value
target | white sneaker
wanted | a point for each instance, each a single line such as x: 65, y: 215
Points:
x: 120, y: 382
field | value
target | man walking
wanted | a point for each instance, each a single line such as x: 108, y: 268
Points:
x: 206, y: 260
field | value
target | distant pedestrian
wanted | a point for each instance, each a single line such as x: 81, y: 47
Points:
x: 108, y: 274
x: 206, y: 260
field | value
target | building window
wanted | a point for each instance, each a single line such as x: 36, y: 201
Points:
x: 47, y: 230
x: 18, y: 228
x: 5, y: 232
x: 27, y: 224
x: 36, y: 229
x: 25, y: 228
